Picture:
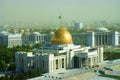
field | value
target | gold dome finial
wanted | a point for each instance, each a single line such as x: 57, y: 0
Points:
x: 60, y: 20
x: 61, y: 36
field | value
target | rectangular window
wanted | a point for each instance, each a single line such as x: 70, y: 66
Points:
x: 63, y: 63
x: 43, y: 64
x: 56, y: 63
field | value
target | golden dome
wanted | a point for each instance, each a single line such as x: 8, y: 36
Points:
x: 61, y: 36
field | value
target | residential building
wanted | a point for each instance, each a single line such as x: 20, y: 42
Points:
x: 78, y: 25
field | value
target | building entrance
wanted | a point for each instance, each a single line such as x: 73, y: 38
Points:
x: 76, y: 62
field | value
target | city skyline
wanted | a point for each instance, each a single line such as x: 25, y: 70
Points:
x: 47, y: 11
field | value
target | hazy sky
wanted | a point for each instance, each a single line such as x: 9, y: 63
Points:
x: 49, y: 10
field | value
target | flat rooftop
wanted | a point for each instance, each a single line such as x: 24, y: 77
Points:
x: 72, y: 74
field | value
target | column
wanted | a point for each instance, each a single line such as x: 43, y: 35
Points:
x: 91, y: 62
x: 81, y: 62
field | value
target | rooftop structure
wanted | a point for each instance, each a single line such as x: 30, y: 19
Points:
x: 101, y: 29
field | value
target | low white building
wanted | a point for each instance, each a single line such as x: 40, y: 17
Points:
x: 60, y: 54
x: 99, y: 37
x: 36, y: 37
x: 10, y: 39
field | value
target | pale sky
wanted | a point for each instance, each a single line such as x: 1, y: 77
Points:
x: 48, y: 10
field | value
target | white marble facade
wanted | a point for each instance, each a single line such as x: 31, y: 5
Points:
x: 60, y: 54
x: 55, y: 58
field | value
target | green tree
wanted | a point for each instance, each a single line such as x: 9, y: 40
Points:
x: 111, y: 54
x: 3, y: 65
x: 37, y: 46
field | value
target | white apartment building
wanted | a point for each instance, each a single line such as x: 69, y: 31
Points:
x: 78, y: 25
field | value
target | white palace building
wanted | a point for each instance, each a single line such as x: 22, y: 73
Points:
x: 60, y: 54
x: 99, y: 37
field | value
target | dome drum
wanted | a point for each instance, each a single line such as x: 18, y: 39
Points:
x: 62, y: 42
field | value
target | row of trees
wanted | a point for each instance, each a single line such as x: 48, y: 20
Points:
x: 23, y: 76
x: 111, y: 54
x: 7, y: 55
x: 3, y: 65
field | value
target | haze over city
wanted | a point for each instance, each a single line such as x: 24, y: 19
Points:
x: 59, y: 40
x: 47, y: 11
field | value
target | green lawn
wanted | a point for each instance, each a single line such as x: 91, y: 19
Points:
x: 111, y: 76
